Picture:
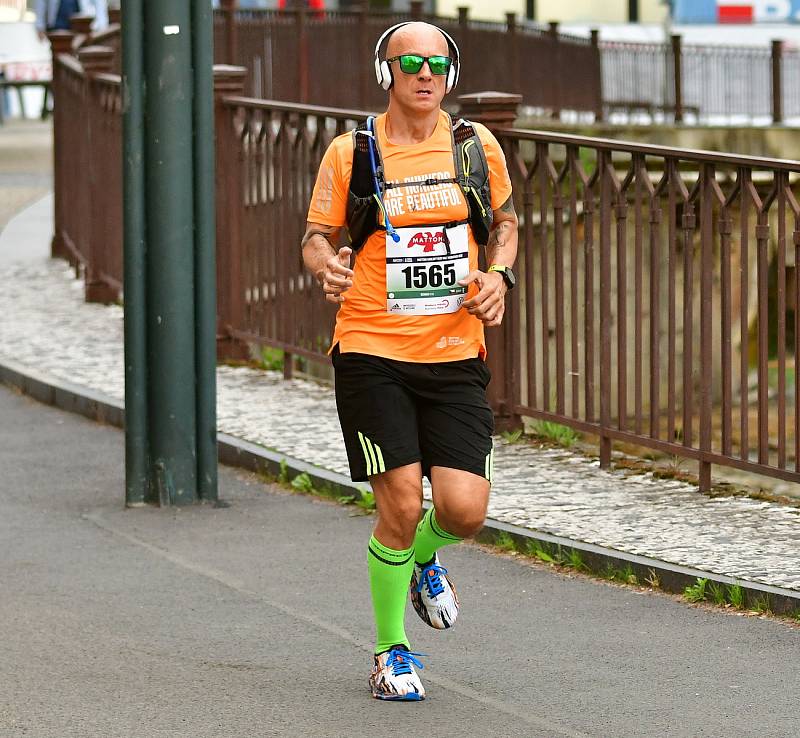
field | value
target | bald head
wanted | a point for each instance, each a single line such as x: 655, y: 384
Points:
x: 417, y: 37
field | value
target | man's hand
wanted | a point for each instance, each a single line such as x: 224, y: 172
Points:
x: 336, y: 276
x: 489, y: 304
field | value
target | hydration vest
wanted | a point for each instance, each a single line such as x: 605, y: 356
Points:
x: 363, y: 215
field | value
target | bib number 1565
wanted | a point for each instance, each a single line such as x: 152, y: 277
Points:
x: 429, y: 275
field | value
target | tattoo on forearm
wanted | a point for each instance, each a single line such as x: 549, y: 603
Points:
x: 315, y: 232
x: 508, y: 206
x: 497, y: 238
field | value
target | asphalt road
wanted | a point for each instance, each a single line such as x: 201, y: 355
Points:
x: 254, y: 621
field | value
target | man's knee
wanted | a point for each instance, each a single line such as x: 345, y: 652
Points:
x: 405, y: 509
x: 460, y: 499
x: 462, y: 518
x: 398, y: 495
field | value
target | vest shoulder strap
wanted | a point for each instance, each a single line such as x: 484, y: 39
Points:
x: 361, y: 183
x: 472, y: 169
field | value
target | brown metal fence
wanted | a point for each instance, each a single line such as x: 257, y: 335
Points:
x: 88, y: 167
x: 653, y: 304
x: 326, y: 57
x: 657, y: 299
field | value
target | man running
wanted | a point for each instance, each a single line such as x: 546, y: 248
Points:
x: 408, y: 349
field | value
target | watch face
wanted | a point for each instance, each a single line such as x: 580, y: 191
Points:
x: 510, y: 278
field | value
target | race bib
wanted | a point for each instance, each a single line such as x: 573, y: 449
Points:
x: 423, y: 269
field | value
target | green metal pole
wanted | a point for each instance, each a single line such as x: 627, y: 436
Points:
x: 170, y: 250
x: 205, y: 246
x: 137, y: 475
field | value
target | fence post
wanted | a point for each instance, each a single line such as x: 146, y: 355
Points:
x: 95, y: 60
x: 365, y: 71
x: 463, y: 31
x: 677, y: 77
x: 513, y: 45
x: 60, y: 43
x: 599, y: 114
x: 81, y: 25
x: 499, y: 110
x: 228, y: 8
x: 606, y: 199
x: 228, y: 80
x: 416, y: 9
x: 552, y: 30
x: 303, y: 56
x: 707, y: 199
x: 777, y: 81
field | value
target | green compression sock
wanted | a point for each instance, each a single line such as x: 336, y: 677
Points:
x: 389, y: 577
x: 430, y: 538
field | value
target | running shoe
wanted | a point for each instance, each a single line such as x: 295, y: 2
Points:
x: 393, y: 676
x: 433, y: 594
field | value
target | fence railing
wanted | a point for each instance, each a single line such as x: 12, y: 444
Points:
x: 701, y: 83
x: 658, y: 287
x: 87, y: 168
x: 654, y: 308
x: 326, y: 57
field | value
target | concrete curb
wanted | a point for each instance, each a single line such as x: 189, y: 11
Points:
x: 246, y: 455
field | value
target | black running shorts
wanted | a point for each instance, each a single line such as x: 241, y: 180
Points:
x: 395, y: 413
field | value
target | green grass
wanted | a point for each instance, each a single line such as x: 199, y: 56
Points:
x: 366, y: 501
x: 505, y: 542
x: 283, y: 475
x: 697, y: 592
x: 540, y: 550
x: 736, y: 596
x: 561, y: 435
x: 717, y: 592
x: 574, y: 560
x: 512, y: 436
x: 626, y: 575
x: 272, y: 358
x: 731, y: 595
x: 302, y: 483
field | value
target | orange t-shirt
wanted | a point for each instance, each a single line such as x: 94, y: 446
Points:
x: 363, y: 324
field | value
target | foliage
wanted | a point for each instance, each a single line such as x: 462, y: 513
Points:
x: 512, y: 436
x: 736, y: 596
x: 272, y: 359
x: 302, y: 483
x: 561, y: 435
x: 717, y: 592
x: 505, y: 542
x: 697, y: 592
x: 366, y: 501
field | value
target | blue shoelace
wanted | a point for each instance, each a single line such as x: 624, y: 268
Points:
x: 400, y: 661
x: 431, y: 578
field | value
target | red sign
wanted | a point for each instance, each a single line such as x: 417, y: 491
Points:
x: 427, y: 239
x: 734, y: 12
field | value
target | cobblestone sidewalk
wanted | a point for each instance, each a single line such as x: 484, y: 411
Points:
x: 45, y: 325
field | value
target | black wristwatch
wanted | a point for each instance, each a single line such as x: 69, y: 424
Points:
x: 507, y: 272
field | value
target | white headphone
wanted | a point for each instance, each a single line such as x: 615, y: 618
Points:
x: 383, y: 72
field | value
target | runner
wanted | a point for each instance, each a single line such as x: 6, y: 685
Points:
x: 417, y: 193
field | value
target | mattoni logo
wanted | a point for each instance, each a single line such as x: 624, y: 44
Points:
x: 427, y: 239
